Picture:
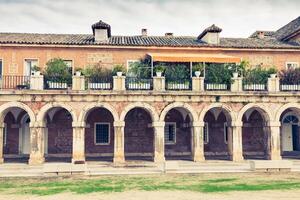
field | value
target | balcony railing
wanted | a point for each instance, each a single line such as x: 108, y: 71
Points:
x: 178, y: 84
x: 14, y: 82
x: 99, y: 83
x: 135, y: 83
x: 217, y: 86
x: 56, y: 83
x: 254, y: 87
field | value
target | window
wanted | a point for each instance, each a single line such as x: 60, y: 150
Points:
x: 29, y: 64
x: 102, y: 133
x: 170, y: 133
x: 292, y: 65
x: 205, y: 133
x: 69, y: 63
x: 1, y: 67
x: 225, y: 133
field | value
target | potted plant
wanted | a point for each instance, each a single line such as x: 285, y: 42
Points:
x: 98, y: 77
x: 119, y: 70
x: 197, y: 69
x: 235, y: 74
x: 159, y: 70
x: 78, y: 71
x: 36, y: 70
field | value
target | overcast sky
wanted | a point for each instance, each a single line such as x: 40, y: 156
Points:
x: 237, y: 18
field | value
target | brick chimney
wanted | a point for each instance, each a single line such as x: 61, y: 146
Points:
x: 101, y: 31
x: 169, y: 35
x: 261, y: 35
x: 211, y: 35
x: 144, y: 32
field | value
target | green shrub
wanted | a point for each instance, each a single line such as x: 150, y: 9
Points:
x: 219, y: 73
x: 177, y: 71
x: 57, y: 68
x: 198, y: 67
x: 258, y: 75
x: 96, y: 71
x: 140, y: 69
x: 290, y: 76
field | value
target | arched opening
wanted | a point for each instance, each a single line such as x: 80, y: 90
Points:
x: 58, y: 135
x: 217, y: 123
x: 290, y: 133
x: 138, y: 135
x: 255, y: 134
x: 178, y: 134
x: 99, y: 135
x: 16, y: 135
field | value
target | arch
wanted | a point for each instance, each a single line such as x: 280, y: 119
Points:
x: 5, y: 107
x: 264, y: 111
x: 149, y: 108
x: 217, y: 105
x: 42, y: 113
x: 186, y: 106
x: 283, y: 108
x: 85, y: 111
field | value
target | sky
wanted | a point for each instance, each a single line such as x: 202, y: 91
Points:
x: 237, y: 18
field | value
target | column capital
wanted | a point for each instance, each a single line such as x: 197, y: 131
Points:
x: 158, y: 124
x: 119, y: 124
x: 2, y: 125
x: 236, y: 123
x: 78, y: 124
x: 274, y: 124
x: 37, y: 124
x: 198, y: 124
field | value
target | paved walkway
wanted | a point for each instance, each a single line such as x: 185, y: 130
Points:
x: 131, y: 167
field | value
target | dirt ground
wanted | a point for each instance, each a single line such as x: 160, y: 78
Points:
x: 166, y: 195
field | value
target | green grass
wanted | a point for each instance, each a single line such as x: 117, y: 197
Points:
x: 195, y: 183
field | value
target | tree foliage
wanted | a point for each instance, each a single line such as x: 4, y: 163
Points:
x: 57, y: 68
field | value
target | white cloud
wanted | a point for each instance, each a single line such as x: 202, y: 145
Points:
x: 238, y: 18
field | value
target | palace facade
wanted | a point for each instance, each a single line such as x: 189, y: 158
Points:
x: 121, y: 120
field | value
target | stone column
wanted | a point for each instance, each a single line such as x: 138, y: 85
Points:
x: 159, y: 142
x: 78, y: 83
x: 237, y: 84
x: 119, y: 83
x: 235, y: 142
x: 119, y: 155
x: 274, y: 141
x: 159, y: 83
x: 197, y: 142
x: 273, y: 84
x: 37, y: 143
x: 198, y: 84
x: 36, y: 82
x: 78, y: 153
x: 1, y: 142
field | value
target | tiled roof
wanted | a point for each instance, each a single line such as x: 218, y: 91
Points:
x: 180, y: 41
x: 287, y: 30
x: 266, y: 34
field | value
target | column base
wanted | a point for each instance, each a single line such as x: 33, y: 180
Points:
x: 237, y: 158
x: 275, y: 157
x: 119, y: 161
x: 198, y: 158
x: 78, y: 161
x: 159, y: 159
x: 36, y: 161
x: 1, y: 160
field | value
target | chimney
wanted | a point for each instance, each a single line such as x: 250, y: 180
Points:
x: 261, y: 35
x: 211, y: 35
x: 101, y: 31
x: 168, y: 34
x: 144, y: 32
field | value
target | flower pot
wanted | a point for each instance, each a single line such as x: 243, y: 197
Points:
x: 273, y: 75
x: 235, y: 74
x: 158, y: 74
x: 78, y: 73
x: 119, y: 74
x: 197, y: 73
x: 37, y: 73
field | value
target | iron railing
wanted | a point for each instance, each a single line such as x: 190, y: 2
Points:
x: 254, y: 87
x: 14, y: 82
x: 135, y: 83
x: 99, y: 83
x: 178, y: 84
x: 289, y: 86
x: 216, y: 86
x: 57, y: 83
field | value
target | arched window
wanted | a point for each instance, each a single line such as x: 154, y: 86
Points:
x: 291, y: 119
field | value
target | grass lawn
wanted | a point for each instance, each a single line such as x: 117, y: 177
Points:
x: 206, y: 183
